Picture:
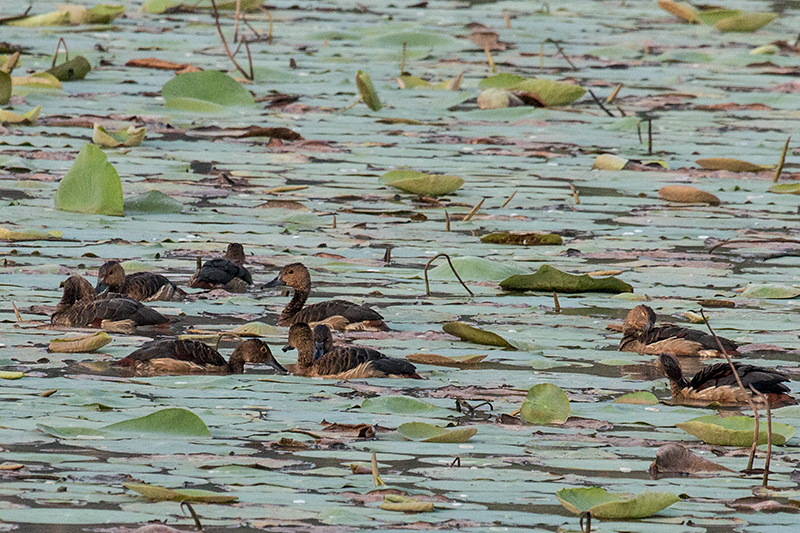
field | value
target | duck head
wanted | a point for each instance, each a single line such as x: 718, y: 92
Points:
x: 110, y: 277
x: 235, y: 253
x: 323, y: 341
x: 256, y: 351
x: 294, y: 275
x: 640, y: 319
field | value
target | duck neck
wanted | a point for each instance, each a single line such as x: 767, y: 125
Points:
x: 305, y: 355
x: 630, y: 343
x: 236, y: 363
x: 295, y: 305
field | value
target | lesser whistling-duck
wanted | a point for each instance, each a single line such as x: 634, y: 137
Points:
x: 640, y: 335
x: 176, y: 357
x: 323, y: 340
x: 716, y: 383
x: 142, y: 286
x: 228, y: 273
x: 80, y: 307
x: 296, y: 276
x: 343, y: 362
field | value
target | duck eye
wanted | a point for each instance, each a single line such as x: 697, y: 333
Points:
x: 289, y: 271
x: 263, y: 348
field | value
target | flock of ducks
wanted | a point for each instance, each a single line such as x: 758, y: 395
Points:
x: 117, y: 298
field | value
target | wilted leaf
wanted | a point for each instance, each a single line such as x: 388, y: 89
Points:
x: 420, y: 431
x: 638, y: 398
x: 55, y: 18
x: 92, y: 185
x: 405, y: 504
x: 498, y: 98
x: 674, y: 458
x: 40, y: 80
x: 551, y: 93
x: 461, y: 361
x: 686, y: 194
x: 28, y: 118
x: 84, y: 344
x: 609, y: 162
x: 6, y: 87
x: 785, y: 188
x: 767, y: 49
x: 745, y: 22
x: 551, y: 279
x: 734, y: 430
x: 75, y: 69
x: 11, y: 375
x: 367, y: 91
x: 478, y: 336
x: 726, y: 163
x: 161, y: 494
x: 614, y: 506
x: 254, y: 329
x: 206, y: 91
x: 524, y: 239
x: 679, y: 9
x: 28, y: 235
x: 545, y: 404
x: 770, y: 291
x: 130, y: 136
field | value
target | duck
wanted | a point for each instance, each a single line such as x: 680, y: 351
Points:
x: 716, y: 383
x: 80, y: 307
x: 323, y: 340
x: 640, y: 335
x: 228, y: 273
x: 185, y: 356
x: 141, y: 286
x: 296, y: 276
x: 343, y: 362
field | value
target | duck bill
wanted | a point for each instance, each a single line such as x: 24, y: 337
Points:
x: 101, y: 287
x: 319, y: 350
x: 277, y: 282
x: 277, y: 366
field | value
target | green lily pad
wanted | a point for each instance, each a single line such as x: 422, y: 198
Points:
x: 400, y: 405
x: 475, y: 269
x: 423, y: 184
x: 54, y: 18
x: 83, y: 344
x: 28, y: 235
x: 206, y: 91
x: 785, y: 188
x: 405, y: 504
x: 504, y: 80
x: 745, y: 22
x: 609, y: 162
x: 170, y: 422
x: 153, y: 202
x: 130, y: 136
x: 420, y: 431
x: 522, y: 239
x: 367, y: 91
x: 770, y: 291
x: 614, y: 506
x: 545, y: 404
x: 638, y: 398
x: 104, y: 13
x: 551, y: 93
x: 40, y: 80
x: 551, y: 279
x: 478, y: 336
x: 92, y: 185
x: 712, y: 16
x: 75, y: 69
x: 734, y: 430
x: 161, y: 494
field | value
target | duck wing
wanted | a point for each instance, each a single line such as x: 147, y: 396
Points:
x: 320, y: 311
x: 219, y: 272
x: 707, y: 341
x: 183, y: 350
x: 342, y: 358
x: 144, y: 285
x: 761, y: 379
x: 113, y: 309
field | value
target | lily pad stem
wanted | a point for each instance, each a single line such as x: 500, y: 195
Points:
x: 351, y: 106
x: 781, y: 161
x: 509, y: 198
x: 588, y: 516
x: 58, y: 47
x: 600, y: 104
x: 196, y: 518
x: 228, y: 50
x: 765, y: 479
x: 428, y: 264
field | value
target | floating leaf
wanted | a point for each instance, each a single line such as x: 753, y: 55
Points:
x: 55, y: 18
x: 461, y: 361
x: 400, y: 405
x: 405, y: 504
x: 726, y: 163
x: 161, y: 494
x: 523, y: 239
x: 130, y: 136
x: 11, y: 375
x: 767, y: 49
x: 503, y: 80
x: 674, y: 459
x: 6, y: 87
x: 497, y: 98
x: 153, y: 202
x: 28, y: 235
x: 614, y: 506
x: 686, y: 194
x: 420, y: 431
x: 40, y: 80
x: 545, y: 404
x: 638, y: 398
x: 206, y: 91
x: 92, y: 185
x: 551, y: 93
x: 679, y: 9
x: 785, y: 188
x: 745, y: 22
x: 734, y: 430
x: 413, y: 82
x: 104, y: 13
x: 609, y: 162
x: 75, y: 69
x: 367, y: 91
x: 551, y: 279
x: 478, y: 336
x: 712, y: 16
x: 422, y: 184
x: 255, y: 329
x: 770, y: 291
x: 28, y: 118
x: 172, y: 421
x: 476, y: 269
x: 84, y: 344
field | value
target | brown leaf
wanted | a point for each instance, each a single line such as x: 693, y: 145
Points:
x: 687, y: 194
x: 674, y: 458
x: 440, y: 360
x: 152, y: 62
x: 727, y: 163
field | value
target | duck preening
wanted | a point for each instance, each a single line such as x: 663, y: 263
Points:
x: 228, y: 273
x: 80, y: 307
x: 343, y: 362
x: 142, y: 286
x: 296, y: 276
x: 716, y: 383
x: 641, y: 335
x: 177, y: 357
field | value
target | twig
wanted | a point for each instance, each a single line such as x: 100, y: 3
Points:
x: 376, y: 476
x: 588, y: 516
x: 446, y: 221
x: 781, y: 161
x: 16, y: 312
x: 456, y: 462
x: 561, y: 51
x: 599, y: 103
x: 492, y: 66
x: 621, y: 112
x: 334, y: 221
x: 428, y: 264
x: 473, y: 211
x: 555, y: 299
x: 765, y: 479
x: 738, y: 382
x: 236, y: 21
x: 649, y: 136
x: 196, y: 518
x: 639, y: 131
x: 271, y: 24
x: 351, y: 106
x: 575, y: 194
x: 756, y: 241
x: 225, y: 45
x: 613, y: 96
x: 509, y: 198
x: 403, y: 59
x: 58, y: 47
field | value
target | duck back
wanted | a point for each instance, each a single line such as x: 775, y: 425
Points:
x: 219, y: 272
x: 182, y: 350
x: 320, y: 311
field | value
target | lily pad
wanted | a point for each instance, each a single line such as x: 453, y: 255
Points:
x: 638, y: 398
x: 84, y: 344
x: 502, y: 80
x: 522, y: 239
x: 130, y: 136
x: 367, y: 91
x: 28, y: 235
x: 745, y: 22
x: 551, y: 93
x: 545, y: 404
x: 686, y: 194
x: 170, y: 422
x: 609, y: 162
x: 475, y: 269
x: 551, y: 279
x: 27, y: 118
x: 206, y: 91
x: 40, y: 80
x: 614, y: 506
x: 478, y: 336
x: 726, y: 163
x: 405, y: 504
x: 75, y: 69
x: 785, y: 188
x: 768, y: 291
x: 92, y: 185
x: 399, y: 405
x: 11, y: 375
x: 420, y: 431
x: 6, y: 87
x: 422, y: 184
x: 161, y: 494
x: 734, y: 430
x: 153, y: 202
x: 459, y: 361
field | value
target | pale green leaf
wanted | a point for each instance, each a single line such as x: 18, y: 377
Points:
x: 92, y: 185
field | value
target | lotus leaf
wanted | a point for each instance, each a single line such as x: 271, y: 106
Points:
x: 153, y: 202
x: 84, y: 344
x: 770, y: 291
x: 609, y: 162
x: 463, y: 361
x: 92, y: 185
x: 745, y: 22
x: 638, y: 398
x: 420, y: 431
x: 734, y: 430
x: 402, y: 405
x: 367, y: 91
x: 545, y: 404
x: 478, y: 336
x: 551, y: 279
x: 161, y: 494
x: 405, y: 504
x: 28, y: 235
x: 551, y: 93
x: 614, y: 506
x: 785, y: 188
x: 208, y: 90
x: 130, y: 136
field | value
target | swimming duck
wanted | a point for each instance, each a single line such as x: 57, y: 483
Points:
x: 323, y: 340
x: 80, y: 307
x: 640, y: 335
x: 176, y: 357
x: 296, y: 276
x: 228, y: 273
x: 716, y: 383
x: 142, y: 286
x: 343, y: 362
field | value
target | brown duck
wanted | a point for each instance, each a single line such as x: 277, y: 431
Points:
x: 343, y: 362
x: 296, y: 276
x: 716, y: 383
x: 228, y: 273
x: 176, y: 357
x: 142, y: 286
x: 640, y: 335
x: 80, y: 307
